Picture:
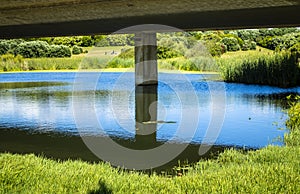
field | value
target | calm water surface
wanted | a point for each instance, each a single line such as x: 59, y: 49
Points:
x: 44, y: 103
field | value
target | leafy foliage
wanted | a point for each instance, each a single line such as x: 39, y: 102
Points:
x: 33, y: 49
x: 293, y: 122
x: 38, y: 49
x: 4, y: 47
x: 59, y: 51
x: 231, y: 43
x: 9, y: 62
x: 249, y: 45
x: 127, y: 53
x: 76, y: 50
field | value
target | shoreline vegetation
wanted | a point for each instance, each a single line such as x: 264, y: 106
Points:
x: 257, y: 56
x: 260, y: 66
x: 272, y: 169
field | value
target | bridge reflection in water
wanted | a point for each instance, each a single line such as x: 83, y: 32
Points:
x: 63, y: 146
x: 146, y: 116
x: 25, y: 139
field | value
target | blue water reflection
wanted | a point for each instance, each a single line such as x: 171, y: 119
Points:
x: 253, y: 113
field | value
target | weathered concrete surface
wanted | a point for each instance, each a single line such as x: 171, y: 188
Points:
x: 145, y: 59
x: 26, y: 18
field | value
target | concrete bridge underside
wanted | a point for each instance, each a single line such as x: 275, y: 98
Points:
x: 29, y: 18
x: 32, y: 18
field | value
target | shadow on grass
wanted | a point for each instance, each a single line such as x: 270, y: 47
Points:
x: 102, y: 189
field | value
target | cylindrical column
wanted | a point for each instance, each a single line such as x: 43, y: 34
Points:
x: 146, y: 58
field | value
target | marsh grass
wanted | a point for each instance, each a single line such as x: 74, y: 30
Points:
x: 201, y: 64
x: 277, y: 69
x: 272, y: 169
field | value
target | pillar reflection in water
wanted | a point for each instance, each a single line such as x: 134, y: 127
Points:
x: 146, y: 116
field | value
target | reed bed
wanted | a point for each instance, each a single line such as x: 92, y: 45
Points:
x: 278, y: 69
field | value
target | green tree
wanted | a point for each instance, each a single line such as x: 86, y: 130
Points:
x: 33, y: 49
x: 231, y: 43
x: 59, y: 51
x: 4, y: 47
x: 76, y: 50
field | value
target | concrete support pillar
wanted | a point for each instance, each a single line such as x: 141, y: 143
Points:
x: 146, y: 58
x: 146, y: 116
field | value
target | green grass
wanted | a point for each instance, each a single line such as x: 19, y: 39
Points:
x: 272, y: 169
x: 276, y: 69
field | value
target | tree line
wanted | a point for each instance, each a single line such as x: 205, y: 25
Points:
x: 169, y: 44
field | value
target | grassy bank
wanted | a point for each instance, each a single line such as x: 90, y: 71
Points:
x: 269, y: 170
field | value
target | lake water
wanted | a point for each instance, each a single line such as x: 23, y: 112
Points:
x: 182, y: 107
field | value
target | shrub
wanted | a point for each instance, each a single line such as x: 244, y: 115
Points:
x: 118, y: 40
x: 252, y: 45
x: 249, y: 45
x: 231, y: 43
x: 38, y: 49
x: 248, y: 34
x: 216, y: 49
x: 167, y: 53
x: 9, y: 62
x: 4, y: 47
x: 127, y: 53
x: 76, y: 50
x: 211, y: 36
x: 59, y: 51
x: 199, y: 49
x: 295, y: 48
x: 33, y: 49
x: 293, y: 123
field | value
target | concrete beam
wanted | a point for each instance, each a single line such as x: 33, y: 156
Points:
x: 146, y: 58
x: 31, y: 18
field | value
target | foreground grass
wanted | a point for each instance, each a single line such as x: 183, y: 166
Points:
x: 270, y: 170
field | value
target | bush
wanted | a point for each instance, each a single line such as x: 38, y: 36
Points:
x: 127, y: 53
x: 199, y: 49
x: 59, y: 51
x: 293, y: 123
x: 33, y: 49
x: 9, y: 62
x: 249, y: 45
x: 117, y: 40
x: 4, y: 47
x: 216, y: 49
x: 295, y: 48
x: 40, y: 49
x: 231, y: 43
x: 76, y: 50
x: 167, y: 53
x: 252, y: 45
x: 248, y: 34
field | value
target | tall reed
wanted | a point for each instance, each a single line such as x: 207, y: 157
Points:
x: 279, y: 69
